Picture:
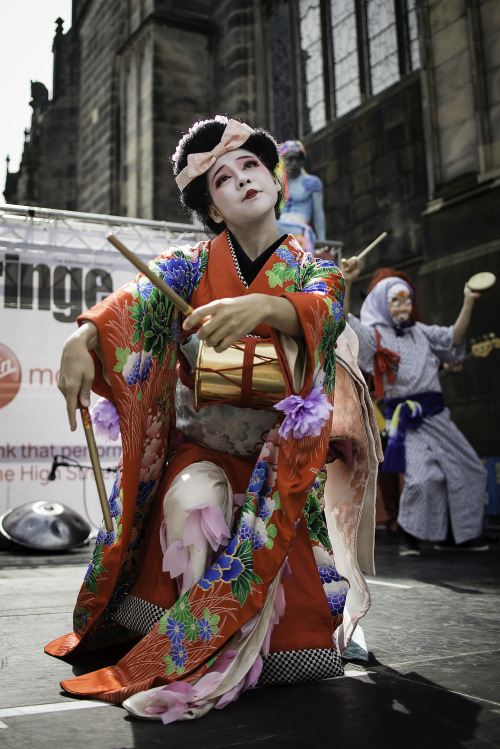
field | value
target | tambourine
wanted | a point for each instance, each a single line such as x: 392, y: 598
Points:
x: 247, y: 374
x: 481, y: 282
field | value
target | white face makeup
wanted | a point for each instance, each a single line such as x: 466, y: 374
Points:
x: 242, y: 189
x: 400, y: 307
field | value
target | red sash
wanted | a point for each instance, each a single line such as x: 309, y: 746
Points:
x: 384, y: 361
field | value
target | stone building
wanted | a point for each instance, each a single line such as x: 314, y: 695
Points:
x: 397, y: 102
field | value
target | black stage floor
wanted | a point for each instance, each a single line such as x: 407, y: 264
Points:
x: 433, y: 678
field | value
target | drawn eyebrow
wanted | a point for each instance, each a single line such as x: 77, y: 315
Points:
x: 214, y: 175
x: 237, y: 159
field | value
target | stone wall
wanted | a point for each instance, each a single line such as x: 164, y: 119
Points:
x: 461, y: 232
x: 373, y: 168
x: 236, y: 87
x: 204, y: 65
x: 183, y: 85
x: 461, y: 74
x: 489, y: 33
x: 58, y: 138
x: 102, y: 30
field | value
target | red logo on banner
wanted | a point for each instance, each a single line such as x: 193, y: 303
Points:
x: 10, y: 375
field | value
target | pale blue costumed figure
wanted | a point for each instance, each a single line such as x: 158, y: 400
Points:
x: 303, y: 214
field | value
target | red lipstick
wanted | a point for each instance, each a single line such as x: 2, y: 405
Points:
x: 250, y: 194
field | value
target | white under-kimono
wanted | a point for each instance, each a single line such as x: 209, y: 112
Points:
x: 445, y: 481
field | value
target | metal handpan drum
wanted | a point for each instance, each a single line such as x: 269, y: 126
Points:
x: 48, y: 526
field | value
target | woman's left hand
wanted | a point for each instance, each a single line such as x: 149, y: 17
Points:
x: 225, y: 321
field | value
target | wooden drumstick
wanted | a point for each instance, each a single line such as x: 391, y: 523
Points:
x: 181, y: 305
x: 372, y: 245
x: 96, y: 467
x: 176, y: 300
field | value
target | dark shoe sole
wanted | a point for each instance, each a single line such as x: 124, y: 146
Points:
x: 484, y: 547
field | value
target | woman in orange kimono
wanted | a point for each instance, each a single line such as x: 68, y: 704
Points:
x: 219, y: 570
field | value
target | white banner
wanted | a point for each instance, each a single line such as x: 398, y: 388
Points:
x: 50, y: 272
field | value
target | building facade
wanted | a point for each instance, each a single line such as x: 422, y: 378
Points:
x: 397, y: 102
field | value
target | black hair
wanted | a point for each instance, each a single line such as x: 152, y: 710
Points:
x: 204, y: 136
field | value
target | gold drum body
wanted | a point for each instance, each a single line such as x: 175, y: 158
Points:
x: 248, y: 374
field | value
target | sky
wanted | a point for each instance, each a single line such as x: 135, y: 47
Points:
x: 27, y: 29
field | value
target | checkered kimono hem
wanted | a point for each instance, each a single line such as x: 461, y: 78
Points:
x: 285, y: 667
x: 291, y: 666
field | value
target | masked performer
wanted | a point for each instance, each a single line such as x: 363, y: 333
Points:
x: 303, y: 208
x: 220, y: 559
x: 444, y: 479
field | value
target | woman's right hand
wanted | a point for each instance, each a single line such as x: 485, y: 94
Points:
x: 351, y: 268
x: 77, y: 369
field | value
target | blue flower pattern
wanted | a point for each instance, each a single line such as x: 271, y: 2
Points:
x: 179, y: 655
x: 258, y: 480
x: 114, y: 504
x: 226, y: 568
x: 284, y: 254
x: 337, y: 311
x: 336, y: 601
x: 317, y: 286
x: 105, y: 537
x: 145, y: 287
x: 175, y: 630
x: 180, y: 273
x: 205, y: 633
x: 145, y: 489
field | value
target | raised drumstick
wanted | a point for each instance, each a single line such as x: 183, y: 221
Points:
x: 176, y: 300
x: 372, y: 245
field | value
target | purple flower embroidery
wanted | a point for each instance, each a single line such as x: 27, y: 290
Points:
x: 336, y: 593
x: 132, y: 368
x: 107, y: 538
x: 145, y: 365
x: 254, y: 528
x: 328, y: 573
x: 105, y: 419
x: 336, y: 602
x: 305, y: 417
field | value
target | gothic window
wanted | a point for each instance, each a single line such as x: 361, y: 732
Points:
x: 382, y: 44
x: 345, y: 55
x: 311, y: 58
x: 413, y: 34
x: 326, y: 57
x: 280, y: 73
